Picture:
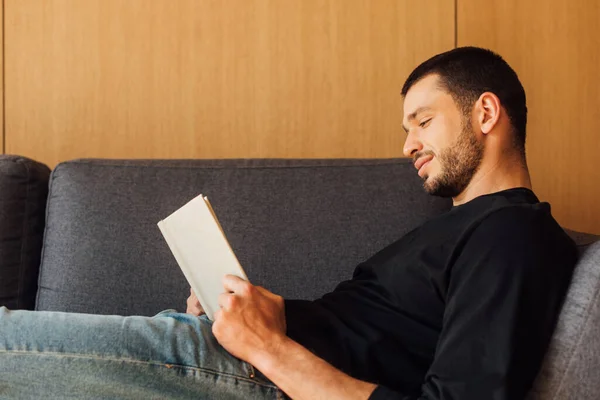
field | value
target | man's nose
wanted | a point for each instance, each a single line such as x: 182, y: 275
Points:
x: 412, y: 145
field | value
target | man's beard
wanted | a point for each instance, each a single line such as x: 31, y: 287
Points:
x: 458, y: 163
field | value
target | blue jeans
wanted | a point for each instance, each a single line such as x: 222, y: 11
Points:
x: 48, y: 355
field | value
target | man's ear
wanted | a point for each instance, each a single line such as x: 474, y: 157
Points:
x: 488, y: 111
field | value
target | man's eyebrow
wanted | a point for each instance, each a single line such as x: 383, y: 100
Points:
x: 414, y: 114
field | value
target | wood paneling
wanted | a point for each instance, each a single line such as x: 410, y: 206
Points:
x: 555, y: 48
x: 2, y: 150
x: 214, y: 78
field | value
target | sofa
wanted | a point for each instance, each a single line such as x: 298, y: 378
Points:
x: 83, y: 238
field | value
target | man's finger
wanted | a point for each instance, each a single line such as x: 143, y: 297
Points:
x: 234, y: 284
x: 193, y: 304
x: 263, y: 290
x: 227, y: 300
x: 194, y: 311
x: 194, y: 308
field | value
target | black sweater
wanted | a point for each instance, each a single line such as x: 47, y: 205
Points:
x: 462, y: 307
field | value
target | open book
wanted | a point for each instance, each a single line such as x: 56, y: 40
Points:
x: 201, y: 249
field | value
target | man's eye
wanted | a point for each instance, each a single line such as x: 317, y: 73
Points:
x: 422, y: 124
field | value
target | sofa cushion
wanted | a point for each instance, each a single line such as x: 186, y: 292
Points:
x: 23, y: 193
x: 571, y: 369
x: 298, y: 227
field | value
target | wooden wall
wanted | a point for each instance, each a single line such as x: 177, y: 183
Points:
x: 2, y: 135
x: 214, y: 78
x: 288, y: 78
x: 555, y: 48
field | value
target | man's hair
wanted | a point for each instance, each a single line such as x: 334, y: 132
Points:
x: 467, y: 72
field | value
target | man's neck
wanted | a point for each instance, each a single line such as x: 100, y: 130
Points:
x: 495, y: 177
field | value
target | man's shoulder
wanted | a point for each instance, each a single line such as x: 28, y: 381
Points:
x: 493, y: 213
x: 529, y: 226
x: 518, y: 216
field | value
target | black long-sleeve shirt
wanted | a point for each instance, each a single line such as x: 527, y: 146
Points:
x: 462, y: 307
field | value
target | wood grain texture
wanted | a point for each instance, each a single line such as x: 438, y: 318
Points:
x: 554, y: 46
x: 2, y: 137
x: 213, y: 78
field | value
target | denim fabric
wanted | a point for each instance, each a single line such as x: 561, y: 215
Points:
x: 168, y: 356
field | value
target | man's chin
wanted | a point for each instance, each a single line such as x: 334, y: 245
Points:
x: 429, y: 185
x: 434, y: 188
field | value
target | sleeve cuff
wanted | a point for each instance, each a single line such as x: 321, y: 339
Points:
x: 297, y: 311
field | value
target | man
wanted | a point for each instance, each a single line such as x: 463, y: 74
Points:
x: 462, y: 307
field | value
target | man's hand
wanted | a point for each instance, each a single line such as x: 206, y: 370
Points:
x: 193, y: 305
x: 251, y: 321
x: 251, y: 325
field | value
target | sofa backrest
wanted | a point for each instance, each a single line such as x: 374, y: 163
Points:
x: 571, y: 368
x: 298, y: 227
x: 23, y: 193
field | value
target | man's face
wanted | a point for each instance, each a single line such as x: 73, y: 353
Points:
x: 440, y: 140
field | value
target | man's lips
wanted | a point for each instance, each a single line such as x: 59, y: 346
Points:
x: 421, y: 161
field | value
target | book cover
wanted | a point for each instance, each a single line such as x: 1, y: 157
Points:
x: 198, y: 243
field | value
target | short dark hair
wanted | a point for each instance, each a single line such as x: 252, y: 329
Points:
x: 467, y: 72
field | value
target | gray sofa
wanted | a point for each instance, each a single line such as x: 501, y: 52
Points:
x: 297, y: 226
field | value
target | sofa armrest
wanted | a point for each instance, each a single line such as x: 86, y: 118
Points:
x: 23, y: 195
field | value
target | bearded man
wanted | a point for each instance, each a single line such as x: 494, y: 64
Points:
x: 462, y: 307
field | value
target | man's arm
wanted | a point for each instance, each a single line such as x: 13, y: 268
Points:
x: 251, y: 326
x: 505, y: 291
x: 302, y: 375
x: 504, y: 294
